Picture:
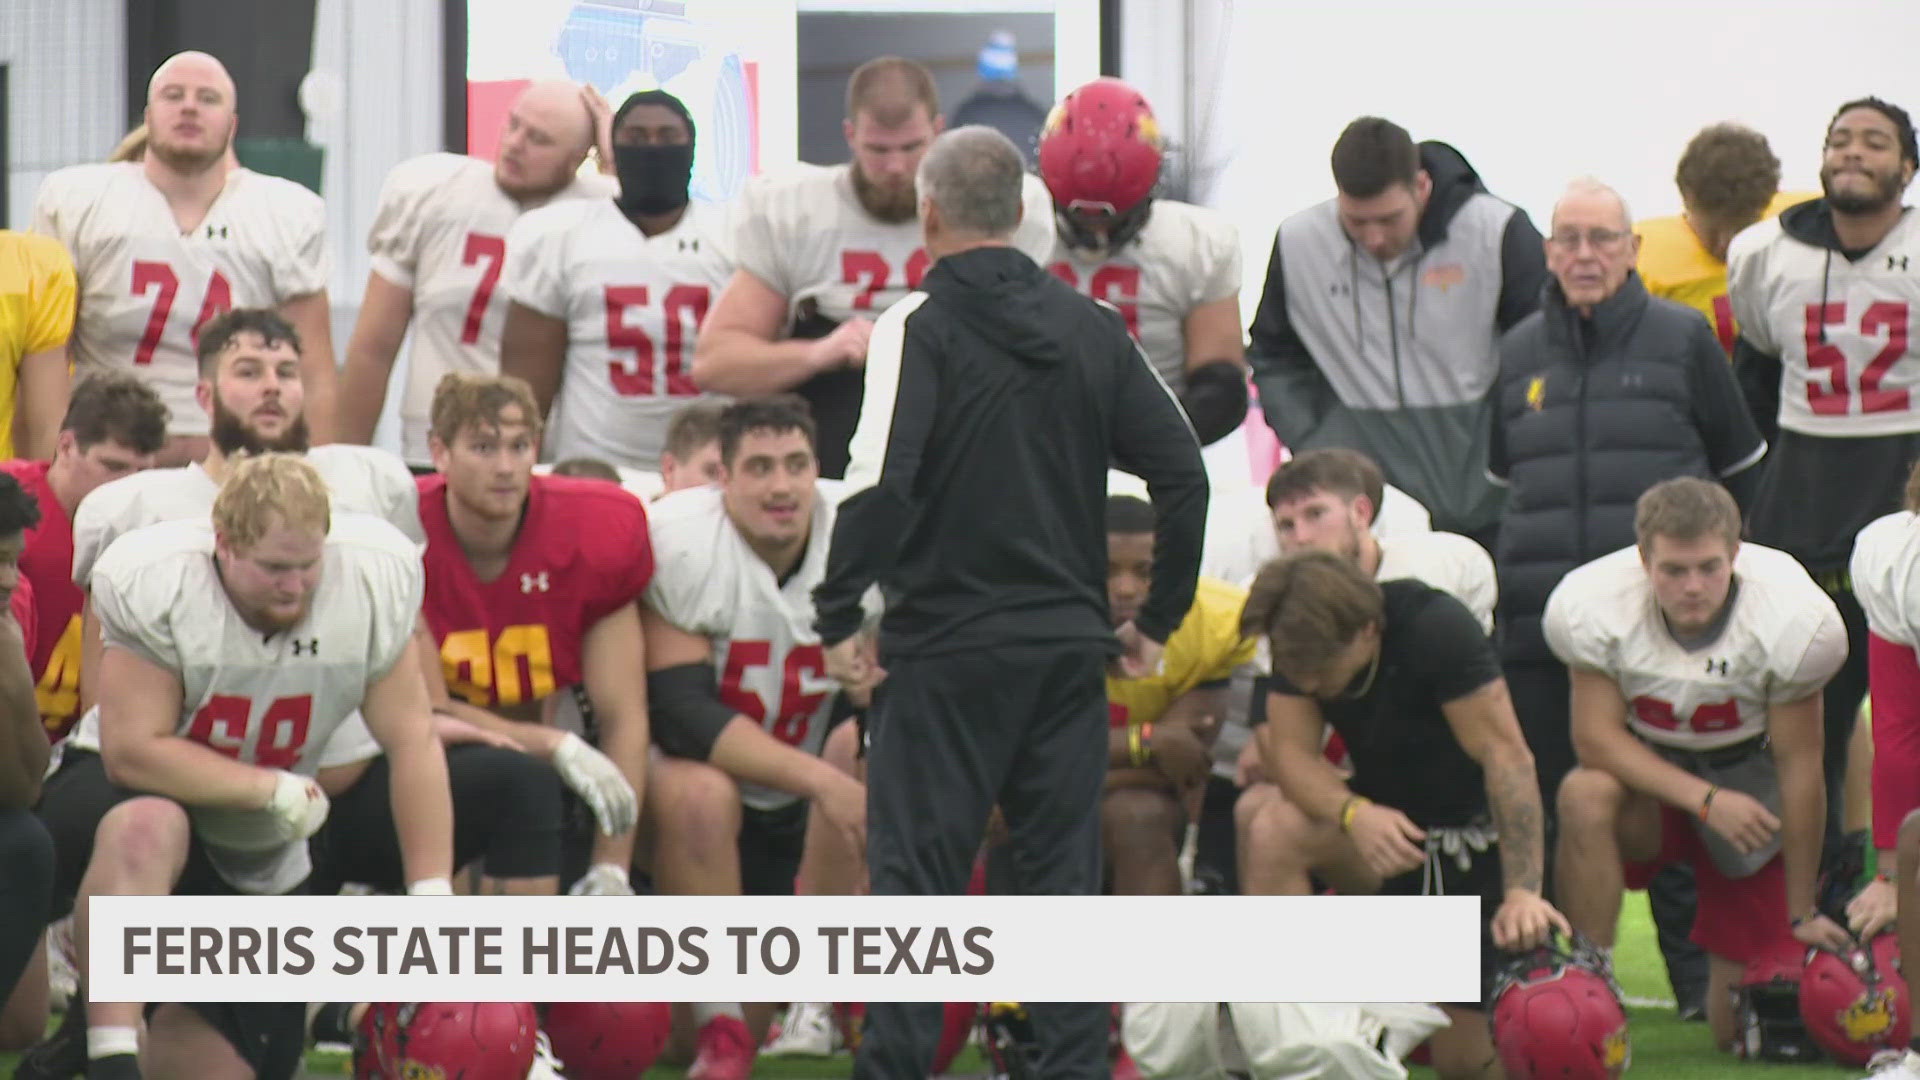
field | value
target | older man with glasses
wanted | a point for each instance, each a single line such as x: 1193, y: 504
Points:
x: 1602, y: 393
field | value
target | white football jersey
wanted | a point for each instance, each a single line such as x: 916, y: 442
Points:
x: 806, y: 237
x: 266, y: 701
x: 1184, y: 256
x: 1886, y: 555
x: 1847, y: 332
x: 632, y: 305
x: 1782, y: 642
x: 441, y: 232
x: 146, y: 288
x: 1454, y: 564
x: 707, y: 581
x: 363, y: 480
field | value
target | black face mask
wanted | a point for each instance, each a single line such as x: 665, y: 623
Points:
x: 653, y: 179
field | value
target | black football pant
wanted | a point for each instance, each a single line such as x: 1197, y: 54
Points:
x: 26, y: 892
x: 1023, y: 726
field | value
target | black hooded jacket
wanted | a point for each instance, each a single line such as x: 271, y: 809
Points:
x: 996, y: 398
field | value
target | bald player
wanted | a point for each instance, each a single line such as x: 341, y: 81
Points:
x: 822, y: 254
x: 439, y: 243
x: 164, y: 244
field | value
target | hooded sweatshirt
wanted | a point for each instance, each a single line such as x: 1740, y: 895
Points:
x: 1396, y: 360
x: 996, y: 397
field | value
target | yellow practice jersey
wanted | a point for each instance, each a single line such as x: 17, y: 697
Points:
x: 1205, y: 649
x: 36, y: 311
x: 1675, y: 265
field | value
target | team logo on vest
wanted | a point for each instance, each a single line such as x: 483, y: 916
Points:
x: 1868, y: 1017
x: 1445, y: 276
x: 530, y: 583
x: 1536, y: 392
x: 306, y: 646
x: 1717, y: 667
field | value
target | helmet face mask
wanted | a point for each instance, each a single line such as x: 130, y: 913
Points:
x: 1099, y: 233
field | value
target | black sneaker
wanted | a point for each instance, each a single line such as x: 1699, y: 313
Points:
x: 63, y: 1054
x: 1692, y: 1008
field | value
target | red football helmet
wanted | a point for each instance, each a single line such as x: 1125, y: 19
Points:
x: 608, y: 1040
x: 1100, y: 157
x: 445, y: 1040
x: 1856, y: 1005
x: 1766, y: 1009
x: 1556, y: 1013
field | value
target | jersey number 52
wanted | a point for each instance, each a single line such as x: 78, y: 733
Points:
x: 1833, y: 397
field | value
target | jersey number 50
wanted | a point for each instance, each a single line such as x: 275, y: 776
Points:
x: 226, y: 720
x: 795, y: 715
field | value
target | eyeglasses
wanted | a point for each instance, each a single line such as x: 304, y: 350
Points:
x: 1601, y: 239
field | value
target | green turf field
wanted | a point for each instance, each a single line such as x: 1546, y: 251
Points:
x: 1663, y: 1048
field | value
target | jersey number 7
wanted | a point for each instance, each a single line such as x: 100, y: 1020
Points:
x: 226, y: 720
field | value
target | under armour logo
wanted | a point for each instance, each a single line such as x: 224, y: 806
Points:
x: 1896, y: 262
x: 689, y: 243
x: 533, y: 582
x: 1716, y: 667
x: 308, y: 647
x: 216, y: 231
x: 1339, y: 288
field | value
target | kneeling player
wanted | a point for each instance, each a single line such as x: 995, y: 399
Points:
x: 1443, y: 799
x: 531, y: 583
x: 230, y: 654
x: 739, y: 688
x: 1697, y: 664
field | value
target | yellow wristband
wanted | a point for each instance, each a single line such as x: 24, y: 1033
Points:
x: 1133, y: 745
x: 1349, y: 808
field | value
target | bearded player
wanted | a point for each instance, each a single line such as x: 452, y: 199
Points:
x: 439, y: 242
x: 232, y: 653
x: 822, y: 254
x: 164, y: 244
x: 608, y: 294
x: 113, y: 427
x: 1697, y: 664
x: 1824, y: 297
x: 531, y: 583
x: 1171, y: 268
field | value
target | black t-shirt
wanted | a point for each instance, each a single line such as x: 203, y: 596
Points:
x: 1403, y: 752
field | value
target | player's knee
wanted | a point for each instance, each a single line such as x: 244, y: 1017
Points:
x: 843, y: 748
x: 529, y: 785
x: 694, y: 799
x: 142, y: 831
x: 1589, y: 801
x: 26, y: 848
x: 1270, y: 826
x: 1130, y: 815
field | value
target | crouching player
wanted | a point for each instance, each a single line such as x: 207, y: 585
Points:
x: 1697, y: 664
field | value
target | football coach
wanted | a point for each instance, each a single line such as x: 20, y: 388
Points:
x: 996, y: 397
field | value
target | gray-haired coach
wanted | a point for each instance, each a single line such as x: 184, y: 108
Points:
x: 995, y: 398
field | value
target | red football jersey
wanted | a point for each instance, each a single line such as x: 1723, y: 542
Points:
x: 583, y: 551
x: 53, y: 642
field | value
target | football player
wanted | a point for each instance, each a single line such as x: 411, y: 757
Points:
x: 36, y: 321
x: 1323, y: 501
x: 1442, y: 799
x: 164, y: 244
x: 608, y: 294
x: 1823, y: 295
x: 114, y: 426
x: 531, y: 583
x: 233, y: 651
x: 823, y: 253
x: 1697, y: 664
x: 439, y: 243
x: 1171, y: 268
x: 26, y: 849
x: 739, y: 688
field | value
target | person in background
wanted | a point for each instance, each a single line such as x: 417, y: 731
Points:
x: 1000, y: 102
x: 38, y: 294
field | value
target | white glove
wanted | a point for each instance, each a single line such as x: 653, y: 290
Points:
x: 598, y: 781
x: 605, y: 879
x: 297, y: 806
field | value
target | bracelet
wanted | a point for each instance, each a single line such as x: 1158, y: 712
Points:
x: 1139, y: 748
x: 1707, y: 803
x: 1800, y: 920
x: 1349, y: 808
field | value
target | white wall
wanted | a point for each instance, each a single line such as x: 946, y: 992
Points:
x: 1537, y: 93
x: 67, y: 64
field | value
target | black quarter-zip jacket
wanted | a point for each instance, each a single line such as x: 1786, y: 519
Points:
x: 996, y: 398
x: 1589, y: 412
